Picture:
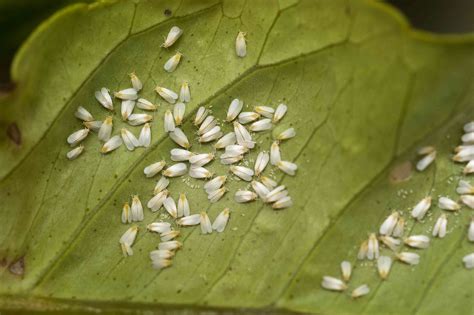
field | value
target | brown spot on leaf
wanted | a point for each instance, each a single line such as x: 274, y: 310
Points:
x: 18, y: 267
x: 167, y: 12
x: 14, y: 133
x: 401, y: 172
x: 6, y: 87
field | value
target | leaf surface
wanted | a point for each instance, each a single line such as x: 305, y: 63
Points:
x: 363, y: 91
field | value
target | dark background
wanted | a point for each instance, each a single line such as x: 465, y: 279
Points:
x: 19, y: 17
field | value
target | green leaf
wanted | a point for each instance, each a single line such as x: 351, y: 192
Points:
x: 363, y: 90
x: 19, y: 18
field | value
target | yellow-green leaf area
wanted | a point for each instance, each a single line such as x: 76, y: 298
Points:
x: 363, y: 91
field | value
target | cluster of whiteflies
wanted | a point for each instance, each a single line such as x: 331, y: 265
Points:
x: 130, y: 99
x: 391, y: 231
x: 236, y: 146
x: 464, y: 153
x: 161, y: 258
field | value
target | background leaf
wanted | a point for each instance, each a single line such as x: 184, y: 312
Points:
x: 363, y: 90
x: 18, y: 19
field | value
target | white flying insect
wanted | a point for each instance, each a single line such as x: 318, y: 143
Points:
x: 180, y: 155
x: 173, y: 35
x: 127, y: 240
x: 242, y: 172
x: 129, y: 139
x: 161, y: 185
x: 105, y: 130
x: 178, y: 136
x: 279, y: 113
x: 261, y: 125
x: 215, y: 195
x: 146, y: 104
x: 201, y: 114
x: 126, y: 108
x: 136, y: 83
x: 93, y: 125
x: 139, y: 119
x: 169, y: 123
x: 183, y: 206
x: 126, y: 213
x: 206, y: 226
x: 173, y: 62
x: 144, y: 139
x: 83, y: 114
x: 226, y: 140
x: 153, y: 169
x: 184, y: 93
x: 421, y: 208
x: 175, y: 170
x: 241, y: 45
x: 384, y: 264
x: 137, y: 209
x: 360, y: 291
x: 190, y: 220
x: 215, y: 184
x: 265, y: 111
x: 261, y: 162
x: 333, y: 284
x: 426, y: 161
x: 77, y: 136
x: 440, y: 227
x: 408, y: 258
x: 127, y: 94
x: 221, y: 221
x: 167, y: 94
x: 111, y: 145
x: 242, y: 196
x: 104, y: 98
x: 170, y: 245
x: 234, y: 109
x: 286, y: 134
x: 155, y: 203
x: 346, y: 270
x: 74, y: 153
x: 170, y: 206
